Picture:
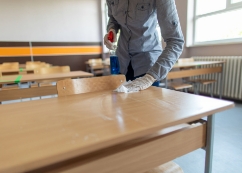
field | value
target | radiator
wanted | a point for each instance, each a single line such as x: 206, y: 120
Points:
x: 232, y: 76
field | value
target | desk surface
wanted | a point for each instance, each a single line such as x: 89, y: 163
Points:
x: 42, y: 132
x: 188, y: 64
x: 196, y: 63
x: 37, y: 77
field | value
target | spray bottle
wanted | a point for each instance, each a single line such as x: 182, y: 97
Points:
x: 114, y: 64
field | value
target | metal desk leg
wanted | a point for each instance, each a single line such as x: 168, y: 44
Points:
x: 209, y: 143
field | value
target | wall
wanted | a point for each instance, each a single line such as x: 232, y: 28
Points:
x: 214, y: 50
x: 50, y: 20
x: 54, y: 28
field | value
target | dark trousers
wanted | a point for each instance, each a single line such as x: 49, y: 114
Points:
x: 130, y: 75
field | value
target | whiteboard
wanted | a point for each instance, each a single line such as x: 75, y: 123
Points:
x: 50, y: 20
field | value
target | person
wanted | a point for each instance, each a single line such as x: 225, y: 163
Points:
x: 139, y: 49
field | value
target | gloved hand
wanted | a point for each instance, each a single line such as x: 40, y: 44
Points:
x: 138, y: 84
x: 108, y: 43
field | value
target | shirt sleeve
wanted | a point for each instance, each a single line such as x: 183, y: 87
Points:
x: 112, y: 23
x: 172, y: 34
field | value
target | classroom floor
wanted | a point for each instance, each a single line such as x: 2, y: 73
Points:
x: 227, y: 144
x: 227, y: 156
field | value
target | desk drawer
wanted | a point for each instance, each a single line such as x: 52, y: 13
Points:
x: 138, y: 155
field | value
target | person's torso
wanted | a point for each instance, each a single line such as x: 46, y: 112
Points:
x: 139, y: 40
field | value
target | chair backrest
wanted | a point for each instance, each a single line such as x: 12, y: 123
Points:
x: 51, y: 70
x: 95, y: 61
x: 77, y: 86
x: 96, y: 66
x: 9, y: 67
x: 33, y: 62
x: 10, y: 63
x: 37, y: 65
x: 185, y: 60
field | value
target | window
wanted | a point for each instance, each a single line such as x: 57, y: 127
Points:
x: 215, y: 22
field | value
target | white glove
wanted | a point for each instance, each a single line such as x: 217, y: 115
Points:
x: 108, y: 43
x: 138, y: 84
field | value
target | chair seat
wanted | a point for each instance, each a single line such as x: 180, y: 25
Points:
x: 170, y: 167
x: 179, y: 86
x: 202, y: 81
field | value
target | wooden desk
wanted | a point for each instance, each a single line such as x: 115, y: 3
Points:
x: 105, y: 132
x: 39, y: 91
x: 196, y: 63
x: 183, y: 64
x: 22, y: 70
x: 41, y: 77
x: 16, y: 71
x: 198, y: 71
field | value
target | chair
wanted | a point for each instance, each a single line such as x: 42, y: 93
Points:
x: 9, y: 66
x: 96, y: 66
x: 49, y: 70
x: 85, y: 85
x: 180, y: 85
x: 7, y: 69
x: 95, y: 61
x: 193, y: 72
x: 37, y: 65
x: 196, y: 81
x: 13, y: 64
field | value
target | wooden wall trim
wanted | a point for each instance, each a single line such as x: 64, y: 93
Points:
x: 49, y: 49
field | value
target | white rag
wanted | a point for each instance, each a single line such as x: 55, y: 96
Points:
x: 123, y: 89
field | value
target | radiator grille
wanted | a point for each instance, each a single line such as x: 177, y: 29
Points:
x: 232, y: 76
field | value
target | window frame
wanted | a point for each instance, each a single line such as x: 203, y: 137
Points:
x: 192, y: 6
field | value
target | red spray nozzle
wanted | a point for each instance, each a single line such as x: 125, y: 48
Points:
x: 111, y: 36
